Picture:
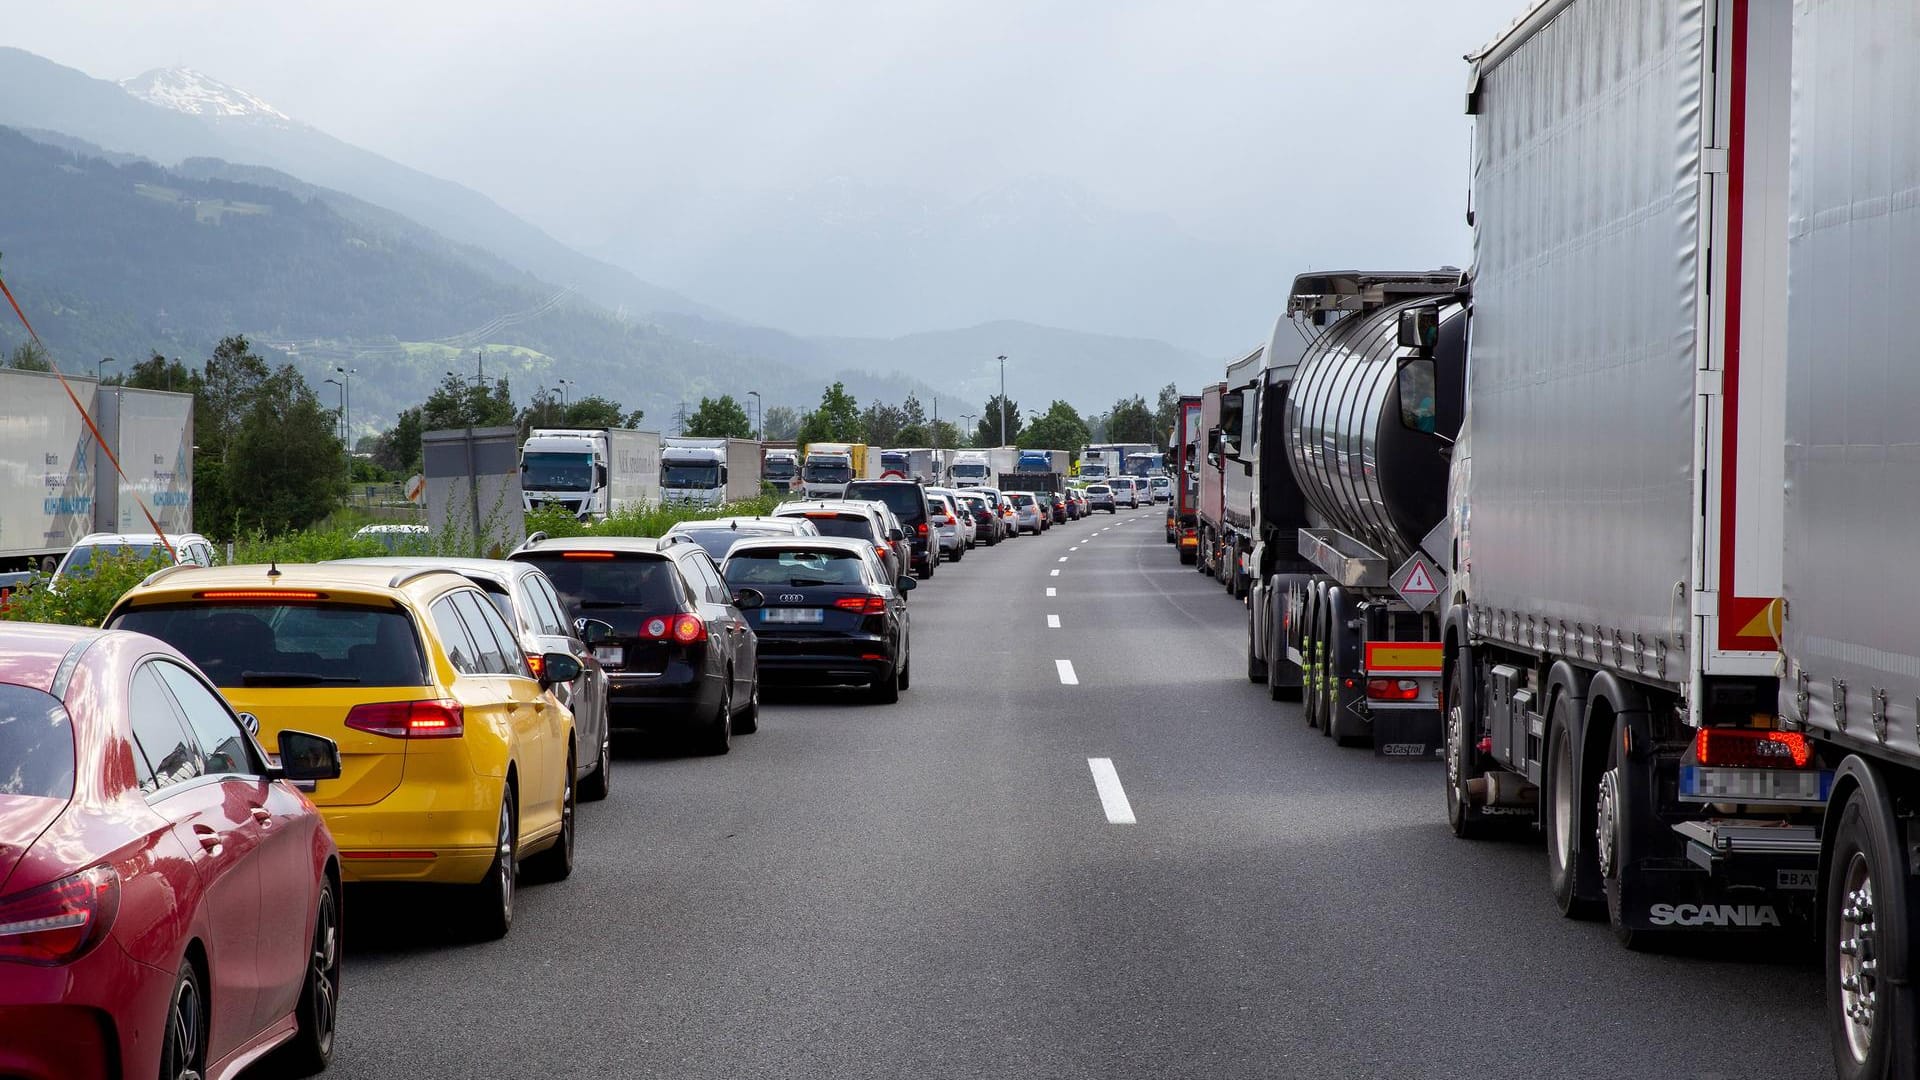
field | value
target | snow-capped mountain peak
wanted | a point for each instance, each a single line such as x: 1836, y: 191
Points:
x: 188, y: 91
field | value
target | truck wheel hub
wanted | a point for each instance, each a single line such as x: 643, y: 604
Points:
x: 1859, y: 967
x: 1607, y: 820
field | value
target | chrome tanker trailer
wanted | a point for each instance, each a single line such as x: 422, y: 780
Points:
x: 1349, y: 450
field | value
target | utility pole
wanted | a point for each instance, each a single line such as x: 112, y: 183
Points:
x: 759, y: 425
x: 1003, y: 401
x: 680, y: 420
x: 346, y: 408
x: 935, y: 429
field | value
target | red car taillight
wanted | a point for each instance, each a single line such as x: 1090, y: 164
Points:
x: 56, y: 923
x: 439, y: 718
x: 862, y: 605
x: 688, y: 629
x: 923, y: 528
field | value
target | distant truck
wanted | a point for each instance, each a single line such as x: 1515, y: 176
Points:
x: 1043, y: 461
x: 62, y: 486
x: 980, y: 468
x: 590, y: 472
x: 903, y: 464
x: 1188, y: 440
x: 1239, y: 411
x: 1206, y: 468
x: 709, y: 472
x: 1100, y: 461
x: 827, y: 468
x: 1144, y: 463
x: 780, y: 466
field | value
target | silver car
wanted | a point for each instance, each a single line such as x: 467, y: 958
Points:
x: 1026, y: 512
x: 1100, y: 497
x: 532, y: 607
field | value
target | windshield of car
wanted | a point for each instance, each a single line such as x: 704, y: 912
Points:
x: 79, y: 562
x: 36, y: 744
x: 266, y: 644
x: 906, y: 501
x: 1099, y: 489
x: 852, y: 525
x: 821, y: 473
x: 717, y: 542
x: 549, y: 471
x: 648, y: 582
x: 793, y: 566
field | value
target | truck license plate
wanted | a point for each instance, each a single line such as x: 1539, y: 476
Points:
x: 791, y: 615
x: 1705, y: 784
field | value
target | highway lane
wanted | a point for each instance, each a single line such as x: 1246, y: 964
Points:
x: 952, y: 887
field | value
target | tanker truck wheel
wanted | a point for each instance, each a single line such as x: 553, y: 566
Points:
x: 1282, y: 676
x: 1256, y: 667
x: 1310, y: 668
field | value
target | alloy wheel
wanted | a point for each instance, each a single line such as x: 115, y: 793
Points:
x: 1859, y: 966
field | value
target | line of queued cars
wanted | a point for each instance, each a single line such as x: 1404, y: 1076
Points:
x: 188, y: 791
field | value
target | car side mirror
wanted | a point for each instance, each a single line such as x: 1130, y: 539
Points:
x: 305, y: 757
x: 748, y: 599
x: 593, y: 631
x: 906, y: 584
x: 896, y: 534
x: 557, y: 668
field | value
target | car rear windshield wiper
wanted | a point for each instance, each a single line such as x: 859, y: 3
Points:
x: 800, y: 581
x: 606, y: 604
x: 294, y: 678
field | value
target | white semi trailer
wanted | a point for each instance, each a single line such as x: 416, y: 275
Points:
x: 57, y: 484
x: 709, y: 472
x: 590, y: 472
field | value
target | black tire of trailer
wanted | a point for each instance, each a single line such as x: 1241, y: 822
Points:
x: 1462, y: 748
x: 1309, y: 652
x: 1572, y: 872
x: 1861, y: 821
x: 1627, y: 785
x: 1283, y: 675
x: 1256, y: 666
x: 1344, y: 652
x: 1189, y: 556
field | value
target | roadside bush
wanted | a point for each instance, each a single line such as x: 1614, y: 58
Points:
x: 81, y: 601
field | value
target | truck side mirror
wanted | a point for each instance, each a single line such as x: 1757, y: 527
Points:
x: 1417, y: 379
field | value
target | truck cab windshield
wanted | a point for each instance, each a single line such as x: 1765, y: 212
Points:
x: 970, y: 470
x: 827, y: 474
x: 692, y: 475
x: 779, y: 469
x: 556, y: 472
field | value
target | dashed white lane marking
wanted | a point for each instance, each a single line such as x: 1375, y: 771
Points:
x: 1075, y: 547
x: 1067, y: 677
x: 1053, y: 622
x: 1063, y: 558
x: 1051, y: 591
x: 1113, y: 797
x: 1055, y: 572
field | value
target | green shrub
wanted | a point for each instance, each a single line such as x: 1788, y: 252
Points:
x: 81, y: 601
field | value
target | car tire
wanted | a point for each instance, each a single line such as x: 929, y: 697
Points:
x: 718, y: 738
x: 183, y: 1046
x: 491, y: 909
x: 906, y: 673
x: 556, y: 863
x: 886, y: 689
x: 599, y: 783
x: 318, y: 1013
x: 748, y: 721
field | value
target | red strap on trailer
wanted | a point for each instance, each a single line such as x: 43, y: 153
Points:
x: 81, y: 409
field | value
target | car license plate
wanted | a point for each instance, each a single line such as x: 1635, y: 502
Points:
x: 791, y: 615
x: 609, y: 654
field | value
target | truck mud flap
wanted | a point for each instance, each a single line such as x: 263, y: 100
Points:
x: 1407, y: 734
x: 1749, y: 897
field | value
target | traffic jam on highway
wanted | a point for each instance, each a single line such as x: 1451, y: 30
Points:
x: 1604, y: 533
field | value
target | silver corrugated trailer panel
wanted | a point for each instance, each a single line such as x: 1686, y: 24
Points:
x: 1852, y: 637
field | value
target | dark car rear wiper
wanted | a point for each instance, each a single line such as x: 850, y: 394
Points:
x: 294, y: 678
x: 606, y: 604
x: 804, y: 581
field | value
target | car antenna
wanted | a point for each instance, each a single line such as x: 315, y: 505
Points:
x: 273, y: 569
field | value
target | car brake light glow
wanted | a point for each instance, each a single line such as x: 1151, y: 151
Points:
x: 586, y: 554
x: 864, y: 605
x: 261, y: 594
x: 437, y: 718
x: 1393, y: 689
x: 1752, y: 748
x: 59, y: 922
x: 688, y: 629
x: 923, y: 528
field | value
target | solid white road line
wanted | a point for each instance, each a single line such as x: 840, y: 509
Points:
x: 1067, y: 677
x: 1053, y: 622
x: 1051, y: 591
x: 1113, y: 797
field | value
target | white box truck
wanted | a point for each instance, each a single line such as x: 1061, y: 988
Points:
x: 709, y: 472
x: 590, y: 472
x: 828, y: 467
x: 1612, y: 612
x: 151, y: 432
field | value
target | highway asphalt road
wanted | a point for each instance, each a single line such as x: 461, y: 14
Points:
x: 940, y: 888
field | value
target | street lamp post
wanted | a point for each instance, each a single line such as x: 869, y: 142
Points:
x: 346, y: 406
x: 100, y: 369
x: 759, y: 422
x: 1003, y: 401
x: 565, y: 401
x: 967, y: 432
x: 340, y: 425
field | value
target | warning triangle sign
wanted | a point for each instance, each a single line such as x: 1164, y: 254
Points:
x: 1418, y: 581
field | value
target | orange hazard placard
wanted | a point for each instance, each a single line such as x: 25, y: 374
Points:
x: 1403, y: 656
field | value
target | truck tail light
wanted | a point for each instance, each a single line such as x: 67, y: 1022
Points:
x: 437, y: 718
x: 862, y: 605
x: 59, y: 922
x: 1752, y: 748
x: 1393, y: 689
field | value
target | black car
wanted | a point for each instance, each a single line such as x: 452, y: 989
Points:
x: 908, y: 501
x: 680, y: 654
x: 830, y: 618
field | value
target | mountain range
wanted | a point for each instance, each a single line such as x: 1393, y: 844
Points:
x: 168, y: 210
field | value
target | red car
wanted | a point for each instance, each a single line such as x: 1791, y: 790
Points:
x: 169, y: 900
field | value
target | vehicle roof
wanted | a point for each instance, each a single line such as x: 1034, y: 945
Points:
x: 132, y: 538
x: 632, y: 545
x: 734, y: 522
x: 31, y: 653
x: 392, y: 582
x: 845, y: 506
x: 833, y: 543
x: 498, y: 569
